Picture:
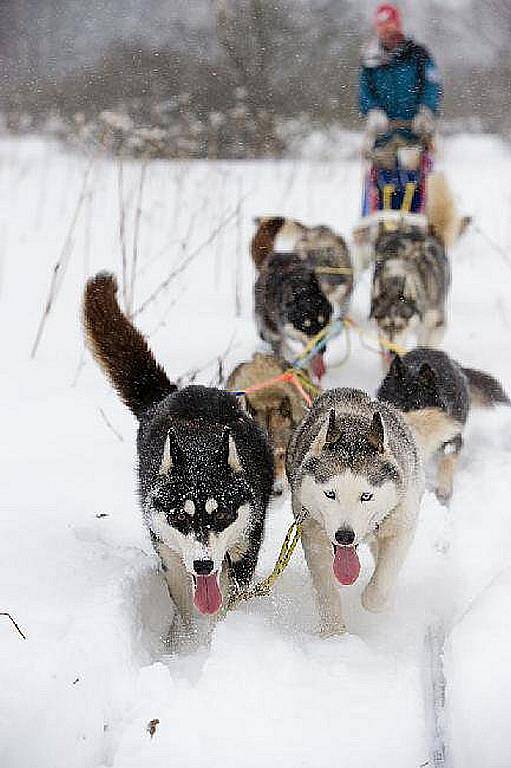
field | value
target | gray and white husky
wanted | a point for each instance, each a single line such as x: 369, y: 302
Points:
x: 410, y: 286
x: 435, y: 393
x: 205, y: 468
x: 356, y: 474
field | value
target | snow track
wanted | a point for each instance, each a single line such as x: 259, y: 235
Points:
x: 77, y: 570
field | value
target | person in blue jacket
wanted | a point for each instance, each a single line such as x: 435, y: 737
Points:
x: 399, y: 81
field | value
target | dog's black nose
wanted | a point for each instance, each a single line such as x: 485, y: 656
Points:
x: 345, y: 536
x: 203, y: 567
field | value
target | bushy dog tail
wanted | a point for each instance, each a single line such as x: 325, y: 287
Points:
x: 120, y: 349
x: 264, y: 238
x: 485, y: 391
x: 441, y: 210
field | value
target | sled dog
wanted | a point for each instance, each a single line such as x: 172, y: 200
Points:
x: 321, y: 249
x: 410, y: 286
x: 356, y: 474
x: 442, y: 220
x: 205, y: 468
x: 289, y: 303
x: 436, y: 393
x: 278, y: 408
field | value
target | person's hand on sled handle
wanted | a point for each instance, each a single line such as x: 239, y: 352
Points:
x: 423, y: 124
x: 377, y: 122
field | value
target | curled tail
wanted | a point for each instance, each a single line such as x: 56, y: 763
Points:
x: 120, y: 349
x: 485, y: 391
x: 264, y: 239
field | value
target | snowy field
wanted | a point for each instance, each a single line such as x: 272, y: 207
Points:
x: 76, y: 566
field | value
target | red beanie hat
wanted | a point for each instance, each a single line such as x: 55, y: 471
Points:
x: 387, y: 12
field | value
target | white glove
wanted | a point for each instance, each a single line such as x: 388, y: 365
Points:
x: 377, y: 122
x: 423, y: 124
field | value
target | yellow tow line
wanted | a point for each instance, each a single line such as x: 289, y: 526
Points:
x: 264, y: 587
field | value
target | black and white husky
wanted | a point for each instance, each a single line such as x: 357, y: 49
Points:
x: 436, y: 394
x: 356, y: 474
x: 205, y: 467
x: 289, y: 303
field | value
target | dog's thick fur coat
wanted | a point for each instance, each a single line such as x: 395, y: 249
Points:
x: 320, y: 248
x: 205, y: 468
x: 277, y: 408
x: 441, y: 210
x: 410, y: 286
x: 436, y: 393
x: 355, y: 471
x: 289, y: 303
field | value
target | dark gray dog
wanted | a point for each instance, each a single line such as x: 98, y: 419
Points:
x: 436, y: 394
x: 410, y: 286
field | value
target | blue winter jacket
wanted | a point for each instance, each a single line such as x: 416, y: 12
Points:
x: 400, y: 81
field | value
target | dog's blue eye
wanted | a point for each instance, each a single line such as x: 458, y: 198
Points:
x: 366, y: 497
x: 329, y: 494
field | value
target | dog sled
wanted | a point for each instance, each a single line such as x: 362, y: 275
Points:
x: 394, y: 194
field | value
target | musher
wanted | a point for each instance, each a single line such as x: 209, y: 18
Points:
x: 400, y: 90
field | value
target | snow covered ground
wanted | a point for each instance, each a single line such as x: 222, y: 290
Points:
x: 76, y: 566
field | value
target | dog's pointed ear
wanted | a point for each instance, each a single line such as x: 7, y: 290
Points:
x: 167, y: 461
x: 397, y: 367
x: 230, y: 452
x: 465, y: 223
x: 325, y: 434
x: 243, y: 404
x: 376, y: 434
x: 427, y: 377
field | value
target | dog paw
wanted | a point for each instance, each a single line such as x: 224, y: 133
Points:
x: 443, y: 494
x: 333, y: 629
x: 374, y: 599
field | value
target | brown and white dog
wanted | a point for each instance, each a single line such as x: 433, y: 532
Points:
x: 278, y: 408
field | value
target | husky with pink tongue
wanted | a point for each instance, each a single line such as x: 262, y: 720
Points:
x: 356, y: 475
x: 205, y: 467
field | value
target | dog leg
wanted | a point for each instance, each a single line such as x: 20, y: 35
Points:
x: 243, y: 559
x: 432, y: 331
x: 394, y: 539
x: 178, y: 583
x: 450, y: 453
x: 318, y: 554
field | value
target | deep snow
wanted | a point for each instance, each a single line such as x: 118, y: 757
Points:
x: 76, y: 567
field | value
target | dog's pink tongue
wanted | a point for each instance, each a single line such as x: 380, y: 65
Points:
x: 207, y: 597
x: 346, y: 565
x: 318, y: 366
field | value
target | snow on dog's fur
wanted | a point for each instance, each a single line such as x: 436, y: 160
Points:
x: 436, y: 393
x: 205, y: 468
x: 355, y: 471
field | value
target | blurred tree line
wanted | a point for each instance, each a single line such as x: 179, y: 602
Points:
x: 228, y: 78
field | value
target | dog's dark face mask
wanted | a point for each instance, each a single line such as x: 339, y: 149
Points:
x: 409, y: 389
x: 307, y: 309
x: 393, y: 309
x: 201, y: 485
